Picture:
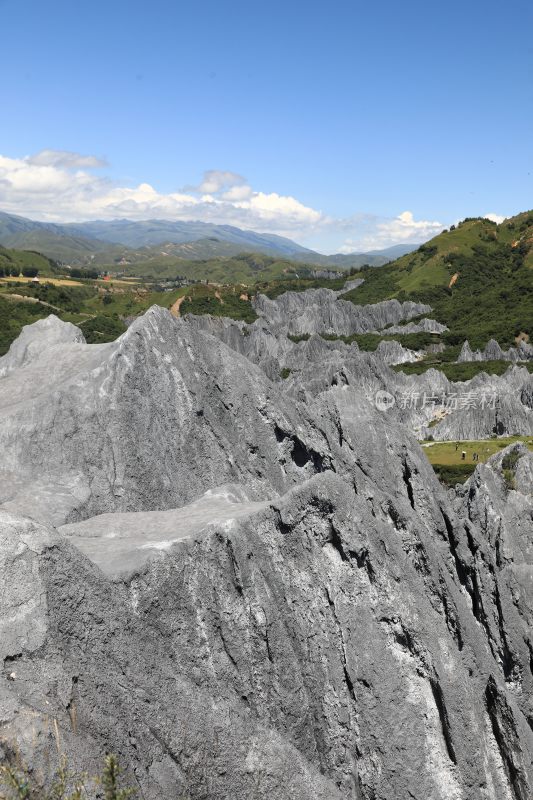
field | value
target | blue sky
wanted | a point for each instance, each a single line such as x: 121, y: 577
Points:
x: 343, y: 125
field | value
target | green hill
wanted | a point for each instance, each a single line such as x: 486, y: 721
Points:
x: 478, y: 277
x: 246, y: 268
x: 74, y: 250
x: 13, y: 260
x: 121, y: 242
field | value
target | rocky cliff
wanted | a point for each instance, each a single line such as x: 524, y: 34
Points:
x: 321, y: 311
x: 429, y: 404
x: 249, y: 587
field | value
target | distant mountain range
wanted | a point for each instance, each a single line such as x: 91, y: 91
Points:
x: 126, y: 241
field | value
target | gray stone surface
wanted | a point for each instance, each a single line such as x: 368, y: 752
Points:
x: 424, y: 326
x: 149, y: 422
x: 493, y: 352
x: 36, y: 339
x: 332, y: 625
x: 391, y: 352
x: 321, y: 311
x: 121, y: 544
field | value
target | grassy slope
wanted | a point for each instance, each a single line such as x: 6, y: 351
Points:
x: 23, y: 258
x: 445, y: 457
x: 68, y: 249
x: 245, y: 268
x: 492, y: 296
x: 445, y: 453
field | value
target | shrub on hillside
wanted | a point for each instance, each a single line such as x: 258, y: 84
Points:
x: 17, y: 783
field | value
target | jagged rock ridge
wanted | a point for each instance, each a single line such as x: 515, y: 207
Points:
x: 353, y: 631
x: 493, y: 352
x: 322, y: 311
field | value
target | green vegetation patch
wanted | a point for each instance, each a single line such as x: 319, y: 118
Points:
x: 460, y: 372
x: 18, y: 783
x: 101, y: 329
x: 13, y: 317
x: 370, y: 341
x: 219, y: 302
x: 14, y: 262
x: 489, y: 267
x: 446, y: 457
x: 274, y: 288
x: 244, y: 268
x: 301, y: 337
x: 453, y: 474
x: 68, y: 298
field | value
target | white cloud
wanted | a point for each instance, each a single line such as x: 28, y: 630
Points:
x: 348, y: 247
x: 404, y: 228
x: 66, y: 159
x: 495, y: 218
x: 269, y: 207
x: 375, y: 233
x: 216, y: 180
x: 52, y: 186
x: 238, y: 193
x: 59, y: 186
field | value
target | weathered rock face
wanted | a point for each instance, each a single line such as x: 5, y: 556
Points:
x: 499, y: 500
x: 424, y: 326
x: 475, y: 409
x: 321, y: 311
x: 391, y: 352
x: 36, y: 339
x: 332, y: 625
x: 496, y: 558
x: 493, y: 352
x: 150, y: 421
x: 489, y: 405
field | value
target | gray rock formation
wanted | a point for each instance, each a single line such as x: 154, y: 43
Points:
x: 493, y: 352
x: 424, y: 326
x: 36, y: 339
x: 152, y: 420
x: 475, y: 409
x: 391, y: 352
x: 325, y: 274
x: 321, y: 311
x: 274, y: 351
x: 121, y: 544
x: 497, y: 560
x: 328, y: 624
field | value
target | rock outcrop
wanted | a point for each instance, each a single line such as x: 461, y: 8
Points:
x: 424, y: 326
x: 38, y: 338
x: 255, y: 588
x: 391, y: 352
x: 321, y: 311
x: 152, y: 420
x: 486, y: 405
x: 493, y: 352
